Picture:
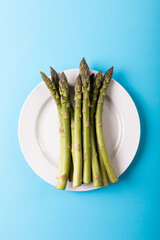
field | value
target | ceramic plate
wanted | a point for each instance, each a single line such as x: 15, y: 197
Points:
x: 38, y: 130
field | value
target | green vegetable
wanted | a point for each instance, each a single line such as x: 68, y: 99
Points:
x: 53, y: 87
x: 100, y: 137
x: 85, y: 77
x: 103, y: 172
x: 72, y: 140
x: 80, y: 128
x: 77, y: 174
x: 96, y: 173
x: 55, y: 81
x: 66, y: 160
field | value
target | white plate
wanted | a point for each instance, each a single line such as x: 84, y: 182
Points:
x: 38, y: 130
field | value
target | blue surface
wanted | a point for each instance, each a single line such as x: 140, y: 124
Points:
x: 37, y: 34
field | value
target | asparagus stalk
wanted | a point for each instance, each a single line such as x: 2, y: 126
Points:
x: 53, y: 87
x: 71, y: 169
x: 100, y: 138
x: 96, y: 173
x: 55, y: 81
x: 103, y: 172
x: 66, y: 160
x: 72, y: 140
x: 85, y: 77
x: 77, y: 174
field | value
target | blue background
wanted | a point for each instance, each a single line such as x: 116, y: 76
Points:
x: 37, y: 34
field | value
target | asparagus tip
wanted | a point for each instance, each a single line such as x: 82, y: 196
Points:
x: 43, y: 75
x: 63, y: 74
x: 109, y: 73
x: 52, y: 70
x: 83, y: 61
x: 110, y: 70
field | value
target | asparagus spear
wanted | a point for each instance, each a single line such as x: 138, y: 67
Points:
x: 52, y: 86
x: 103, y: 172
x: 71, y: 168
x: 77, y: 174
x: 66, y: 160
x: 72, y: 140
x: 55, y: 81
x: 96, y: 173
x: 100, y: 138
x: 85, y: 77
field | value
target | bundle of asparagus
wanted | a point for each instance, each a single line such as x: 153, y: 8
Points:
x: 83, y: 156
